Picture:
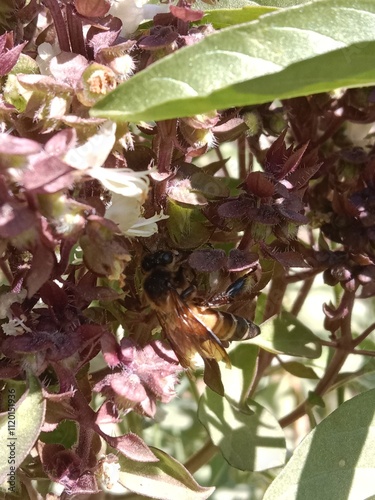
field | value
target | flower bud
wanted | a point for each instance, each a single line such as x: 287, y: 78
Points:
x: 97, y: 80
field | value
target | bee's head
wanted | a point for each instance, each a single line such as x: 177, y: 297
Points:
x: 161, y: 258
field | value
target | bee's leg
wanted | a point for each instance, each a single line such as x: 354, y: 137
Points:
x: 239, y: 286
x: 236, y: 287
x: 188, y: 292
x: 221, y: 299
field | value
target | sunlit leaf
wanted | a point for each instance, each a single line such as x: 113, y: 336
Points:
x: 224, y: 17
x: 249, y: 437
x: 166, y: 479
x: 344, y: 378
x: 16, y: 442
x: 238, y: 379
x: 285, y: 334
x: 288, y: 53
x: 299, y: 370
x: 336, y: 460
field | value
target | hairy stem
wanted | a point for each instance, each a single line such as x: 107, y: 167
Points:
x: 59, y: 23
x: 75, y: 31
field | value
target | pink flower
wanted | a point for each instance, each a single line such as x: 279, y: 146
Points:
x: 144, y: 375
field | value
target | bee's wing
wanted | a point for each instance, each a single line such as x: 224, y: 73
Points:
x: 187, y: 333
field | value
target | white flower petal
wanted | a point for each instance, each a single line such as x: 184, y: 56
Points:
x: 133, y: 12
x: 123, y: 181
x: 130, y: 12
x: 124, y: 211
x: 95, y: 150
x: 146, y: 227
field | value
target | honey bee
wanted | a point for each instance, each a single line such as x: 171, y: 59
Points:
x: 190, y: 327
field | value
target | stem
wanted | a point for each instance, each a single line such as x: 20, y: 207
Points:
x: 75, y: 31
x: 165, y: 143
x: 273, y: 306
x: 364, y: 352
x: 59, y: 23
x: 304, y: 275
x: 247, y: 239
x: 201, y: 457
x: 83, y: 450
x: 302, y: 295
x: 364, y: 335
x: 221, y: 158
x: 276, y: 294
x: 334, y: 367
x: 241, y: 142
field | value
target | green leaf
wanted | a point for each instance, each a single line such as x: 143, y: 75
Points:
x: 288, y: 53
x: 166, y: 479
x: 186, y: 226
x: 299, y: 370
x: 249, y: 437
x: 65, y: 433
x: 238, y: 379
x: 222, y: 18
x: 285, y: 334
x: 283, y: 3
x: 224, y: 4
x: 336, y: 460
x: 16, y: 442
x: 314, y: 399
x: 344, y: 378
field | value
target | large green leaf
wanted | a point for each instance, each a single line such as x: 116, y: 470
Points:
x: 222, y: 18
x: 336, y: 460
x: 285, y: 334
x: 283, y: 3
x: 17, y: 441
x: 296, y: 51
x: 166, y: 479
x: 248, y: 436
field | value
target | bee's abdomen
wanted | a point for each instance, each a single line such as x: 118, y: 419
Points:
x: 227, y: 326
x: 234, y: 327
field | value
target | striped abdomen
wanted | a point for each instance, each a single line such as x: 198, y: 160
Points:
x: 227, y: 326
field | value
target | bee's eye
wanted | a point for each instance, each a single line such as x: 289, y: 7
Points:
x: 166, y: 258
x: 161, y: 258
